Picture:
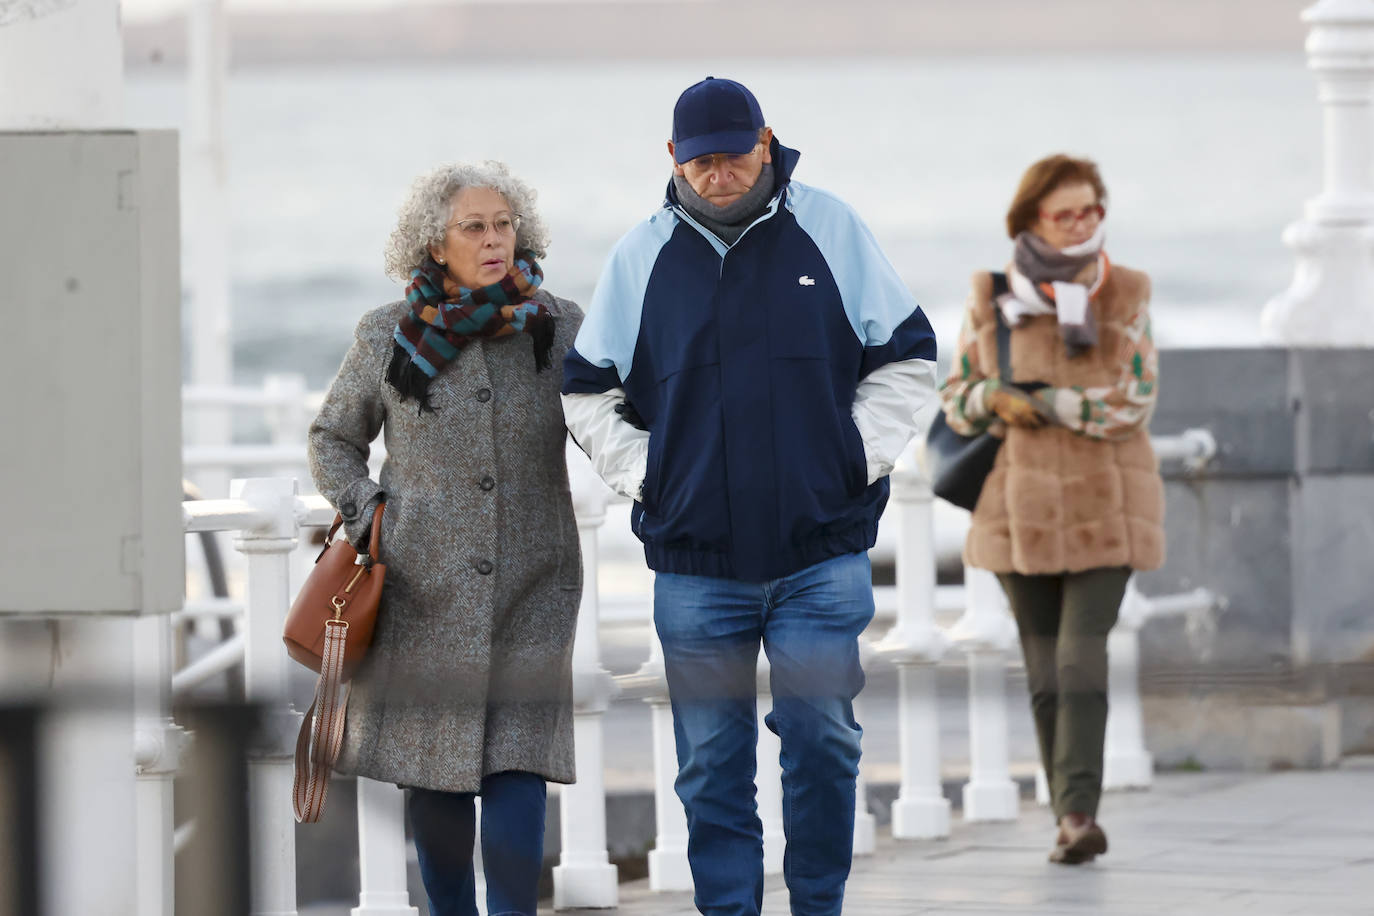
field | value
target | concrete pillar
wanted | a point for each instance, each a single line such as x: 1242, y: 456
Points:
x: 1331, y: 299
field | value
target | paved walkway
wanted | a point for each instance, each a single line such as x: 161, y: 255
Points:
x: 1213, y: 844
x: 1197, y: 844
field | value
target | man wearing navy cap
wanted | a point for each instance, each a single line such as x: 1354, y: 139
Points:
x: 748, y: 372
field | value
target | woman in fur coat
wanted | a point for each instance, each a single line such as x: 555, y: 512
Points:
x: 1074, y: 502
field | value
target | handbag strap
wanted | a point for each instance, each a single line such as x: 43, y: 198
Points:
x: 1000, y: 287
x: 374, y: 540
x: 321, y: 734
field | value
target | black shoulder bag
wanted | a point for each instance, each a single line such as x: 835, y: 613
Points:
x: 958, y: 464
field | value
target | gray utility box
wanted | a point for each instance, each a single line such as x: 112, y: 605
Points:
x: 90, y: 373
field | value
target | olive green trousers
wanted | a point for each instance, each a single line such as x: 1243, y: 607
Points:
x: 1064, y: 621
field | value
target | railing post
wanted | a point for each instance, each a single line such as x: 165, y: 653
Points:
x: 158, y: 746
x: 865, y: 824
x: 1126, y: 762
x: 987, y: 633
x: 287, y: 418
x: 89, y: 809
x: 915, y: 645
x: 206, y: 220
x: 1331, y: 299
x: 381, y: 851
x: 1042, y: 786
x: 265, y: 663
x: 584, y: 876
x: 768, y: 777
x: 669, y: 869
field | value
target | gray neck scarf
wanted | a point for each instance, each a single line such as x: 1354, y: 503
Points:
x: 1041, y: 263
x: 730, y: 221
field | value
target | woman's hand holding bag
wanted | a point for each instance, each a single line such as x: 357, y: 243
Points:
x: 329, y: 629
x: 959, y: 464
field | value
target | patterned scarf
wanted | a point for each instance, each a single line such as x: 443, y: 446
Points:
x: 1042, y: 283
x: 444, y: 317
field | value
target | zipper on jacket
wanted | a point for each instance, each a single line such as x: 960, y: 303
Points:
x: 771, y: 212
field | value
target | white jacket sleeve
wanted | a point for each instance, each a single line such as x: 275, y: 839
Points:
x: 619, y: 451
x: 885, y: 407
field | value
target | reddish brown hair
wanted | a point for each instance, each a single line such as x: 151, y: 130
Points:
x: 1042, y: 179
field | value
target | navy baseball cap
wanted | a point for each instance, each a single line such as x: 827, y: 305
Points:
x: 715, y: 116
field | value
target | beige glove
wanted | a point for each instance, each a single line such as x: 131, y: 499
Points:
x: 1016, y: 408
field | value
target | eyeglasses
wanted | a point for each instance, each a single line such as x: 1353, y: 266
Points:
x: 477, y: 227
x: 1067, y: 219
x: 712, y: 161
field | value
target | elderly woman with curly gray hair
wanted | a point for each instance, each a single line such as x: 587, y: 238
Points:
x: 467, y: 689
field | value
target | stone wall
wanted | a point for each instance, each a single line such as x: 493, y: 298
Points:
x: 1281, y: 524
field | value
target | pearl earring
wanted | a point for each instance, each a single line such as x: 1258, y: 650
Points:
x: 442, y: 261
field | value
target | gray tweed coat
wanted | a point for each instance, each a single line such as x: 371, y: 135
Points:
x: 470, y: 671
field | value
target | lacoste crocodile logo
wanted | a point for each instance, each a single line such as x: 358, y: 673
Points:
x: 804, y: 280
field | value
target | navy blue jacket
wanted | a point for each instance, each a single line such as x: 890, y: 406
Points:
x: 743, y: 362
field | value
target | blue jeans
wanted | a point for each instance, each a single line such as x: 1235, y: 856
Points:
x: 444, y: 826
x: 809, y: 624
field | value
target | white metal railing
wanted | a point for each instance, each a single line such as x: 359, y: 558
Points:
x: 267, y: 515
x: 287, y: 406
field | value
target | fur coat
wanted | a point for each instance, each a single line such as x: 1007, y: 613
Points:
x: 1084, y: 492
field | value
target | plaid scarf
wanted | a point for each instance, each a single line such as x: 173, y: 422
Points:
x: 444, y: 317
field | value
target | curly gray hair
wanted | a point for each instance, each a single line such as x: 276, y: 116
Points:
x: 423, y: 216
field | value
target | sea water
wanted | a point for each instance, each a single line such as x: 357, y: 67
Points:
x: 1206, y: 160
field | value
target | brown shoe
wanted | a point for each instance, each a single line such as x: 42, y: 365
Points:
x: 1080, y: 840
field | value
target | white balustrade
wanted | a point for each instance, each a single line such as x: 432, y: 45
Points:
x: 865, y: 824
x: 1042, y: 787
x: 1126, y: 762
x: 987, y: 634
x: 268, y: 513
x: 669, y: 869
x: 584, y: 876
x: 1194, y: 448
x: 89, y: 807
x: 205, y: 214
x: 381, y: 851
x: 768, y: 777
x: 272, y: 825
x: 158, y: 746
x: 1331, y: 299
x: 915, y: 645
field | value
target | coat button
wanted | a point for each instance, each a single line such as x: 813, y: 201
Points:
x: 484, y: 394
x: 487, y: 483
x: 485, y: 567
x: 349, y: 510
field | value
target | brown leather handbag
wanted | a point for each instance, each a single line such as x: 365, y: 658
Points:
x: 329, y: 629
